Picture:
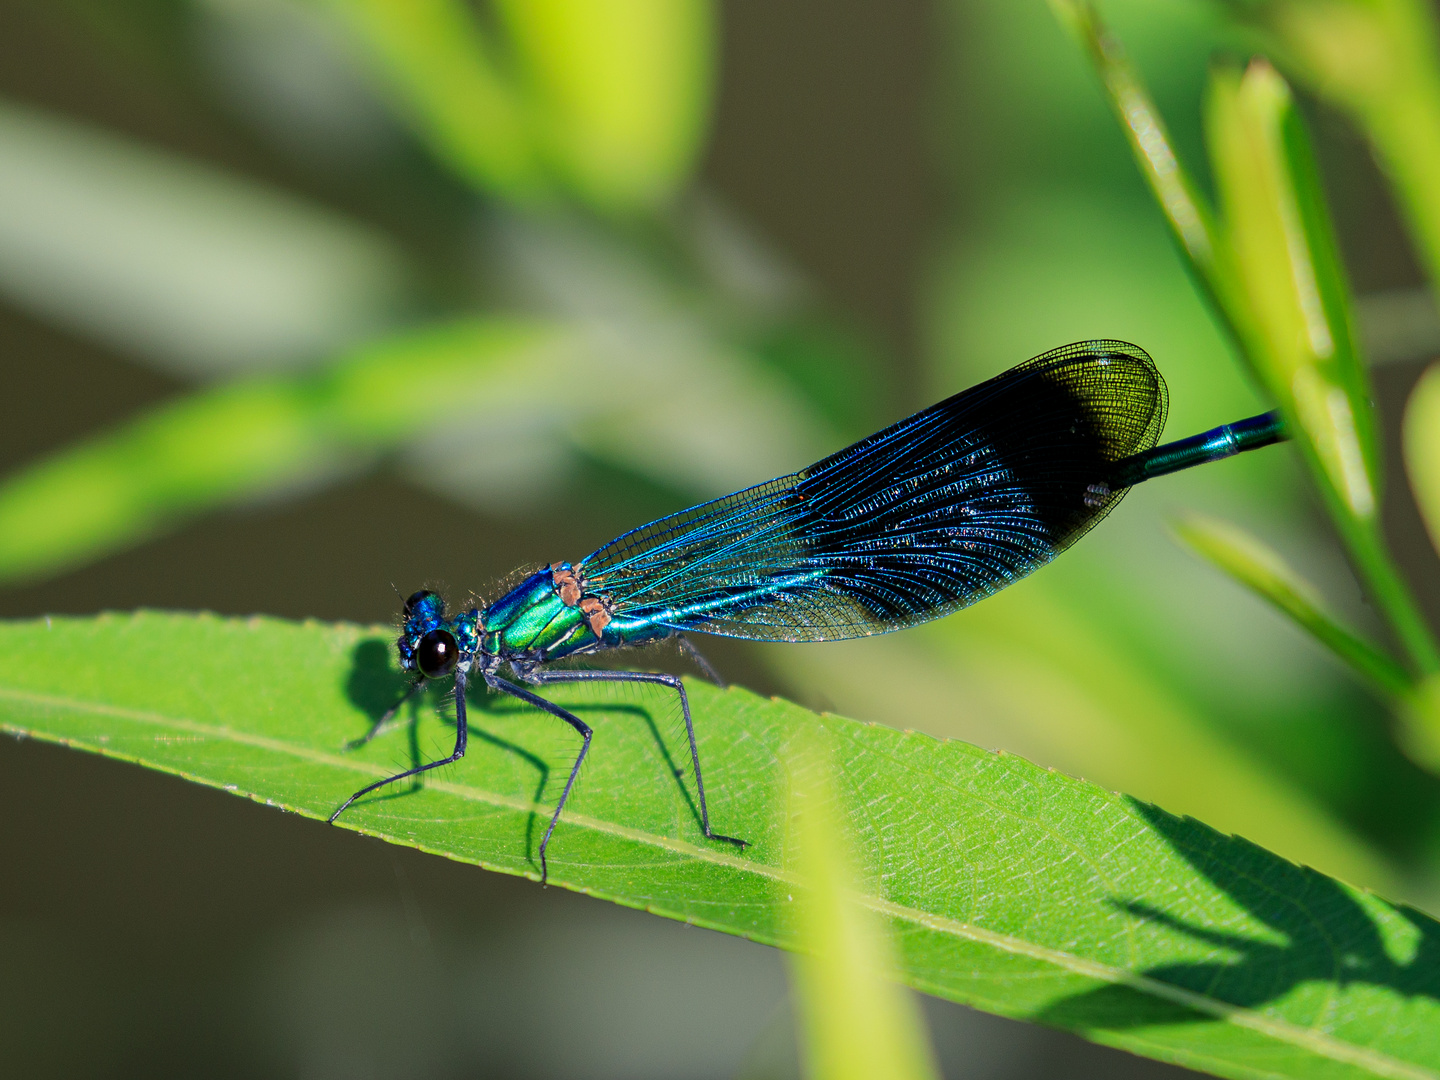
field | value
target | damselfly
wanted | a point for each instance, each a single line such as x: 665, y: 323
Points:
x: 928, y: 516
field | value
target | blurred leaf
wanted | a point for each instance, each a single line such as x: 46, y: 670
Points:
x: 454, y: 90
x: 619, y: 89
x: 1378, y: 60
x: 479, y: 406
x: 1422, y: 462
x: 856, y: 1023
x: 247, y: 439
x: 178, y: 264
x: 604, y: 101
x: 1008, y: 887
x: 1189, y: 215
x: 1280, y: 288
x: 1421, y: 735
x: 1287, y: 265
x: 1298, y: 328
x: 1261, y: 570
x: 1422, y: 448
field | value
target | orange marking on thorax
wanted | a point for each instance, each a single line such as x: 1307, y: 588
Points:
x: 568, y: 585
x: 597, y: 613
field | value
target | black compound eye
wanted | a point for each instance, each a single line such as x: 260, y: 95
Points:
x: 436, y: 654
x: 416, y: 599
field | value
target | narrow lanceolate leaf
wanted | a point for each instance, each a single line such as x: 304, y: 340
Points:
x: 1261, y: 570
x: 855, y: 1023
x: 1303, y: 347
x: 1379, y: 60
x: 449, y: 82
x: 1422, y: 449
x: 619, y: 91
x: 250, y: 438
x: 1297, y: 324
x: 1005, y: 886
x: 1189, y: 216
x: 1270, y: 265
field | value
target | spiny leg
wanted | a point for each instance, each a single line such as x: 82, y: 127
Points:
x: 544, y: 677
x: 375, y: 728
x: 497, y: 683
x: 688, y: 648
x: 461, y: 731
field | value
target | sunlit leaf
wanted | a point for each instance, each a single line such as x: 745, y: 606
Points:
x: 605, y: 102
x: 1029, y: 672
x: 1261, y: 569
x: 1422, y: 449
x: 619, y: 90
x: 463, y: 400
x: 1379, y: 60
x: 1008, y: 887
x: 450, y: 83
x: 1300, y: 338
x: 1303, y: 347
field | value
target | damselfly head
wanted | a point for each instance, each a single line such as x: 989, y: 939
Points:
x: 432, y: 644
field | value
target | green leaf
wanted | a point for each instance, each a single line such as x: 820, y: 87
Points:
x: 423, y: 391
x: 1298, y: 328
x: 1189, y: 216
x: 1379, y: 60
x: 1302, y: 341
x: 620, y: 91
x: 1422, y: 449
x: 250, y: 438
x: 856, y: 1023
x: 1035, y: 671
x: 1272, y: 269
x: 1261, y: 570
x: 1006, y: 886
x: 1422, y: 463
x: 447, y: 78
x: 606, y: 102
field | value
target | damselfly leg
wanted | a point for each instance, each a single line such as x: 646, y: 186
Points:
x: 461, y: 733
x: 497, y: 683
x: 544, y: 678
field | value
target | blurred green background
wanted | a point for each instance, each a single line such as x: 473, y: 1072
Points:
x: 679, y: 249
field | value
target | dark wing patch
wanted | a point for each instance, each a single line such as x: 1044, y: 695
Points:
x: 934, y: 513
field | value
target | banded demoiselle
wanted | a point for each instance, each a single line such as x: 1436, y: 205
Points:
x: 926, y: 517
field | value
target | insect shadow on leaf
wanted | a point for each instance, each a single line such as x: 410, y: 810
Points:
x: 1320, y: 933
x: 376, y: 688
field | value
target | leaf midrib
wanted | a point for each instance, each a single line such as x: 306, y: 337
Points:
x: 1306, y: 1038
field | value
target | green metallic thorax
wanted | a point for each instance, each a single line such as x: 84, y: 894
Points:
x: 533, y: 618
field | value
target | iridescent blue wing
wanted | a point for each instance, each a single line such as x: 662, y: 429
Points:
x: 934, y: 513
